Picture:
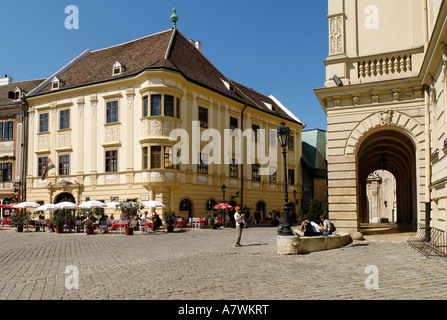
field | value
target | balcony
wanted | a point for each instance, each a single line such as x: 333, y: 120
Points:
x: 159, y: 127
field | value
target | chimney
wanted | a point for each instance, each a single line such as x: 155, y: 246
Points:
x: 196, y: 44
x: 6, y: 80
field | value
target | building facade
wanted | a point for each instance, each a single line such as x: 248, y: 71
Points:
x: 314, y: 168
x: 115, y: 120
x: 12, y: 133
x: 385, y: 100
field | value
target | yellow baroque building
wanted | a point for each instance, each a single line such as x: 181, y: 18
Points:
x: 385, y: 100
x: 106, y: 119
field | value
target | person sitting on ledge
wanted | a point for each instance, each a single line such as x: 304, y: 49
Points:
x: 326, y: 225
x: 306, y: 229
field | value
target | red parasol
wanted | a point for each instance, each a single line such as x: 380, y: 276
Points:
x: 222, y: 206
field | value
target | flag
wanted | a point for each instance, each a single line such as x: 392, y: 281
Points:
x: 50, y: 165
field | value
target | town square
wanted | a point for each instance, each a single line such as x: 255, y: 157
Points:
x: 247, y: 152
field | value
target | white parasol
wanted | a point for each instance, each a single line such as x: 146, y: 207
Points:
x: 26, y: 205
x: 92, y: 204
x: 113, y: 204
x: 47, y: 207
x: 66, y: 205
x: 153, y: 204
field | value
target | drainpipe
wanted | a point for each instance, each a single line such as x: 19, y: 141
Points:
x: 25, y: 148
x: 242, y: 153
x: 427, y: 165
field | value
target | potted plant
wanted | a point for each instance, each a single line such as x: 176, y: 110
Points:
x: 170, y: 219
x: 91, y: 216
x: 130, y: 211
x: 19, y: 218
x: 58, y: 220
x: 211, y: 216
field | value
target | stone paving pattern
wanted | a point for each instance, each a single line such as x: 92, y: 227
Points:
x: 203, y: 264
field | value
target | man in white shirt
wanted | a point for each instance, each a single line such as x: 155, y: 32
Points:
x: 240, y: 221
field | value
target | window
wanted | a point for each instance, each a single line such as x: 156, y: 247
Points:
x: 255, y: 129
x: 234, y: 173
x: 43, y: 122
x: 291, y: 177
x: 64, y: 165
x: 272, y: 175
x: 145, y: 106
x: 203, y: 117
x: 155, y: 157
x: 169, y: 106
x: 41, y: 164
x: 272, y: 138
x: 117, y: 69
x: 178, y: 108
x: 6, y: 172
x: 167, y: 158
x: 6, y: 130
x: 112, y: 161
x: 64, y: 119
x: 203, y: 163
x: 156, y: 105
x: 233, y: 125
x: 291, y: 142
x: 145, y: 158
x: 255, y: 172
x: 210, y: 204
x: 112, y: 111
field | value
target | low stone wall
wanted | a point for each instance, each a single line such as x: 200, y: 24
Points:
x: 288, y: 245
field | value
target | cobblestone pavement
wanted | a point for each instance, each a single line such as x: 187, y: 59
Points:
x: 205, y: 265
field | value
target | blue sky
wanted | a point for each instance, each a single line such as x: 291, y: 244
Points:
x: 275, y: 47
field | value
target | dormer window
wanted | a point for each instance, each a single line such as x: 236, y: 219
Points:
x: 228, y: 85
x: 56, y: 83
x: 118, y: 68
x: 17, y: 94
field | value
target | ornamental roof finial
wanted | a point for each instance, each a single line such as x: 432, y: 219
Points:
x: 174, y: 17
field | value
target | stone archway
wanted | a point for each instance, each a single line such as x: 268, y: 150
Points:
x: 394, y: 151
x: 64, y: 197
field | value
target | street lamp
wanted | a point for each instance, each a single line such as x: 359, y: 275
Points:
x: 294, y: 202
x: 283, y: 136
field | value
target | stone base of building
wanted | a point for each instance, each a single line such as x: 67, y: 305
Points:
x: 292, y: 245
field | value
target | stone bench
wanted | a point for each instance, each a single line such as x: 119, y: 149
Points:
x: 288, y: 245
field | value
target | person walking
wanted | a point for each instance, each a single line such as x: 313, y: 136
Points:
x: 240, y: 222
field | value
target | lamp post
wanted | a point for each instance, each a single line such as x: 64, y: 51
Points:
x: 283, y: 136
x: 224, y: 189
x: 294, y: 202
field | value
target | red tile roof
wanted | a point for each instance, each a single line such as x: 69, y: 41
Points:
x: 167, y: 50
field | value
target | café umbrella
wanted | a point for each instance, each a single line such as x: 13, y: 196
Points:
x: 66, y: 205
x: 26, y: 205
x: 47, y: 207
x: 153, y: 204
x: 222, y: 206
x: 92, y: 204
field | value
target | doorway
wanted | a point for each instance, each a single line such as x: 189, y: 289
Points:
x: 393, y: 152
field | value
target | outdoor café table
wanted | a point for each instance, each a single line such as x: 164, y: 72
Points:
x: 203, y: 223
x: 149, y: 224
x: 182, y: 223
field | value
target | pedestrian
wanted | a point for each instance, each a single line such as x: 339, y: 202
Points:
x: 306, y: 229
x: 326, y: 225
x: 240, y: 222
x: 156, y: 222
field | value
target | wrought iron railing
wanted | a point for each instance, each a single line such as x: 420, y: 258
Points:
x: 432, y: 244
